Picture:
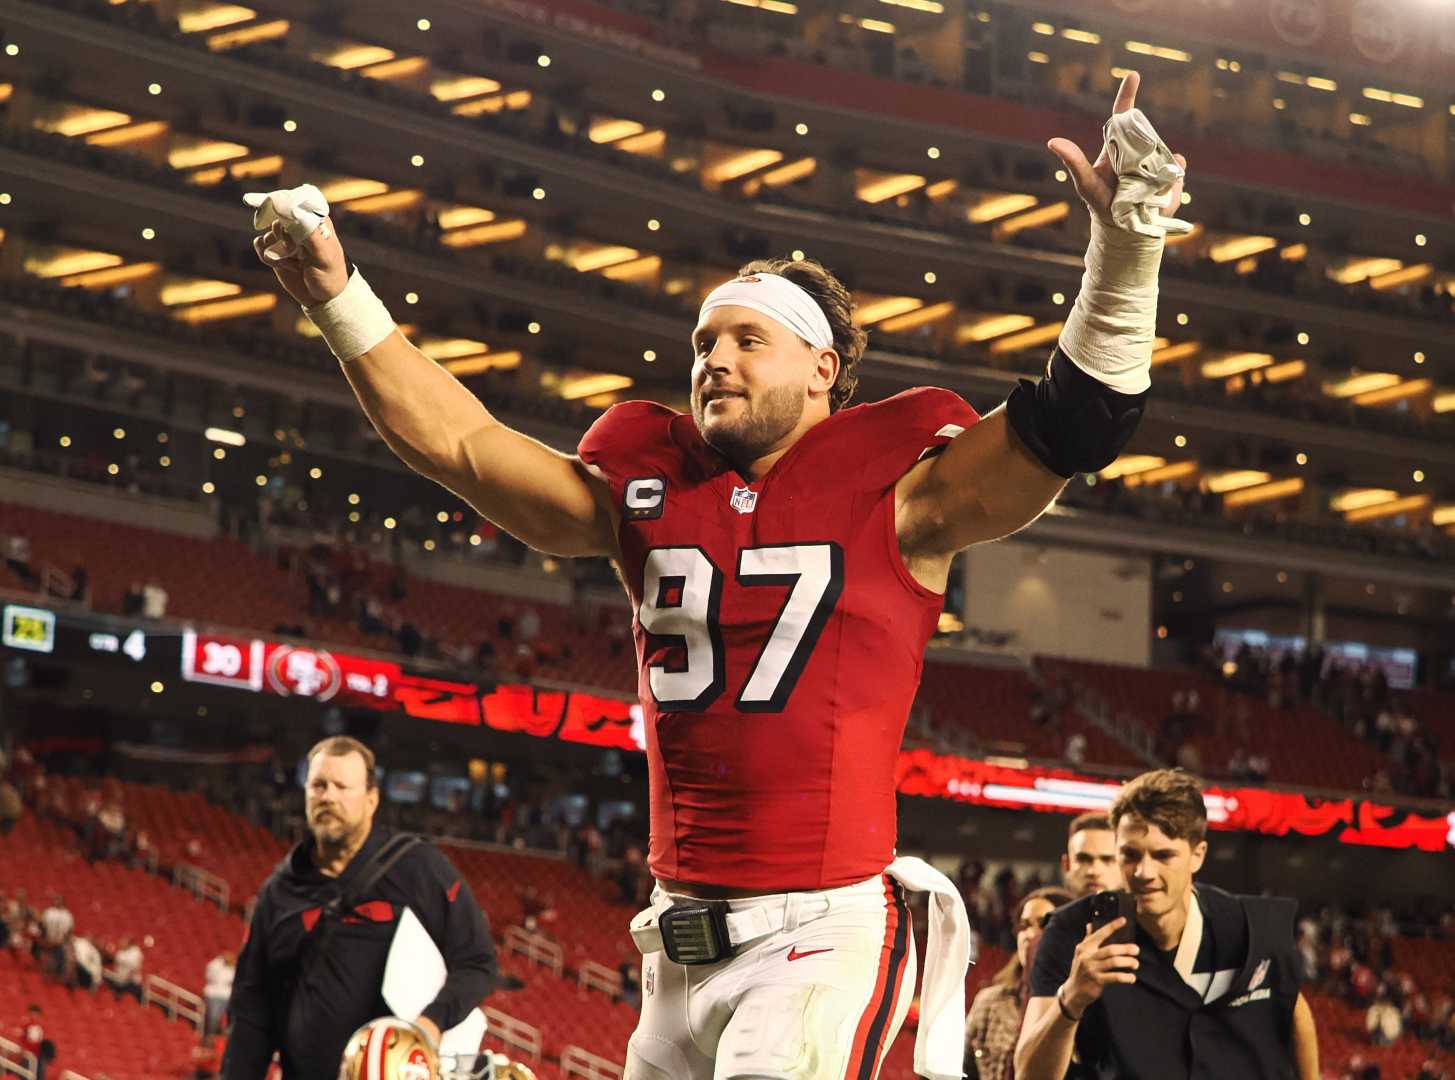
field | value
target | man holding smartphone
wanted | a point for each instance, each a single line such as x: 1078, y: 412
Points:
x: 1167, y: 980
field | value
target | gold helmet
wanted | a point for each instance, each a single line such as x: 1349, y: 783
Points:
x: 389, y: 1049
x: 505, y: 1069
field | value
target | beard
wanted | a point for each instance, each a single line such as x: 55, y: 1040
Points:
x: 757, y: 428
x: 332, y: 830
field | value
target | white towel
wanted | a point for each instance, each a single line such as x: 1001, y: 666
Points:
x: 939, y: 1046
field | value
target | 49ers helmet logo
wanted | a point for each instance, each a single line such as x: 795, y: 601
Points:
x: 310, y: 673
x: 415, y: 1067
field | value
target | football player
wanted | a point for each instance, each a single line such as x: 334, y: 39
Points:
x: 785, y: 554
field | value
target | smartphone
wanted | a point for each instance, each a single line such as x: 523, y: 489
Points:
x: 1110, y: 905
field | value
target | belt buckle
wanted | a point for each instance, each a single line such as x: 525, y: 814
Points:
x: 695, y: 932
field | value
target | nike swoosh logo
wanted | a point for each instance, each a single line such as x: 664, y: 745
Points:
x: 794, y: 954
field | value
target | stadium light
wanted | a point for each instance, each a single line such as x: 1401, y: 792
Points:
x: 223, y: 435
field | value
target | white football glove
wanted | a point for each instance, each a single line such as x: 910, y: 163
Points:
x: 1145, y: 172
x: 300, y: 210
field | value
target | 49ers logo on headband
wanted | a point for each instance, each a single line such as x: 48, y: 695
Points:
x: 304, y: 672
x: 750, y: 280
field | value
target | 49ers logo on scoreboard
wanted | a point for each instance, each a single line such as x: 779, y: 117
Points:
x: 310, y: 673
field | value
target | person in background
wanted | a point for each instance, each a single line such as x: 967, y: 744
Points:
x: 57, y: 924
x: 11, y: 806
x: 1199, y: 954
x: 220, y: 971
x: 86, y: 970
x: 994, y: 1022
x: 1383, y: 1022
x: 33, y: 1040
x: 1090, y: 863
x: 126, y: 975
x: 312, y: 967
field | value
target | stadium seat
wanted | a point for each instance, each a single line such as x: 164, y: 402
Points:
x: 1303, y: 746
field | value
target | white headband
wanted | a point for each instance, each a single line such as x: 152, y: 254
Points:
x: 779, y: 299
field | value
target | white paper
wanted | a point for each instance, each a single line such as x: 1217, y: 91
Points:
x: 414, y: 974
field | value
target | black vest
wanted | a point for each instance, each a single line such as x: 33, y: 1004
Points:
x: 1159, y: 1028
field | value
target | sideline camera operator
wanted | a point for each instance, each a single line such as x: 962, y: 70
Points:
x: 1205, y: 988
x: 312, y: 968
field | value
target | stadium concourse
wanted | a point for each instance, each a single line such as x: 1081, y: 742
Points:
x: 208, y: 559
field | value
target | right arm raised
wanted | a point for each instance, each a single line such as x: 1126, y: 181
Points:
x: 440, y: 430
x: 548, y: 500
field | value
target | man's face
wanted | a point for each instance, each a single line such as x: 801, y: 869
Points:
x: 1158, y: 869
x: 1090, y: 862
x: 339, y: 802
x: 751, y: 380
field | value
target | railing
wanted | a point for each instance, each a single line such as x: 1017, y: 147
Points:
x: 594, y: 976
x: 201, y: 883
x: 534, y: 947
x: 578, y: 1062
x: 15, y: 1060
x: 174, y: 1000
x: 514, y: 1033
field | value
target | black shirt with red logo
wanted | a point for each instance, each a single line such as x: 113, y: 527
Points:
x: 307, y: 979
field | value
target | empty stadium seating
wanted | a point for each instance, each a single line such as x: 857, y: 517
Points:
x: 263, y: 596
x: 1303, y: 746
x: 179, y: 933
x: 1342, y: 1038
x: 95, y: 1034
x: 994, y: 704
x: 239, y: 853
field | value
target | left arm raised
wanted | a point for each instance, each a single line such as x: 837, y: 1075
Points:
x: 985, y: 485
x: 1002, y: 473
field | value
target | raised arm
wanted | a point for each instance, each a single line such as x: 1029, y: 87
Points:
x: 436, y: 426
x: 1000, y: 475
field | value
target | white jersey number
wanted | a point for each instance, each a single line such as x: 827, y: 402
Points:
x: 681, y: 596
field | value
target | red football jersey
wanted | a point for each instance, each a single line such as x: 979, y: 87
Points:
x: 780, y: 637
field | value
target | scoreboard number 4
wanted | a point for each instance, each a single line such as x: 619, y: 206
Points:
x: 681, y: 598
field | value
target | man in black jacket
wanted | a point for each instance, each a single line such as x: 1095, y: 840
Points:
x: 1206, y: 989
x: 312, y: 966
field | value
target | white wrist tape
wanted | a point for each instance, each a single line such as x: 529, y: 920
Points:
x: 1111, y: 327
x: 354, y: 321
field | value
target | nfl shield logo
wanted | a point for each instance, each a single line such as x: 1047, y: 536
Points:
x: 744, y: 499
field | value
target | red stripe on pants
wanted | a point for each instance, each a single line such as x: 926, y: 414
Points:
x: 882, y: 986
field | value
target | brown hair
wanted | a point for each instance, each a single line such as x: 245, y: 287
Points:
x: 837, y: 303
x: 1011, y: 975
x: 343, y: 745
x: 1092, y: 819
x: 1167, y: 798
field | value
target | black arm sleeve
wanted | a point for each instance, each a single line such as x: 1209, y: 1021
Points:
x: 1055, y: 951
x: 253, y: 1037
x: 459, y: 928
